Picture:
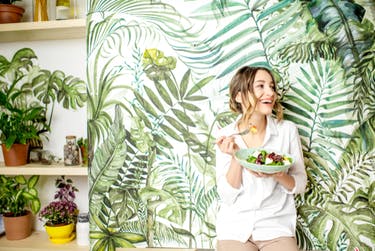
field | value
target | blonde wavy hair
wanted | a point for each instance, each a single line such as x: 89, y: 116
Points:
x: 243, y: 82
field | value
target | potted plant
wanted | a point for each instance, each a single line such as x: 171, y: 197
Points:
x: 83, y: 146
x: 30, y: 93
x: 18, y: 200
x: 61, y: 214
x: 18, y: 127
x: 9, y: 12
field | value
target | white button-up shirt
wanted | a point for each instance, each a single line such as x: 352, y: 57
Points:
x: 261, y: 207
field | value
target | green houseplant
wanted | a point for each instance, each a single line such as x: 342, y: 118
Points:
x: 18, y: 199
x: 9, y: 12
x: 83, y: 146
x: 29, y: 94
x: 18, y: 127
x: 9, y: 1
x: 61, y: 214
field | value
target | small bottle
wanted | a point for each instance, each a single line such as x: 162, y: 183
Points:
x: 71, y: 151
x: 62, y: 9
x: 83, y: 229
x: 40, y: 10
x: 78, y: 9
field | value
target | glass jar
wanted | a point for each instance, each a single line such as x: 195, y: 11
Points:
x: 40, y: 10
x: 83, y: 229
x: 62, y: 9
x: 71, y: 151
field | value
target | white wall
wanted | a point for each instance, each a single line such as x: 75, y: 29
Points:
x: 68, y: 56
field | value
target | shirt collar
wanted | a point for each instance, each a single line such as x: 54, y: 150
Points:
x: 271, y: 129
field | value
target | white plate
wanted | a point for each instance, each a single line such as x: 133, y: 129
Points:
x: 243, y: 154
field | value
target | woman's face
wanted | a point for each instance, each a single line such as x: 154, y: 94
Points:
x: 264, y: 91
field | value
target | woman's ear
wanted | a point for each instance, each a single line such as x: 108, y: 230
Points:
x: 239, y: 97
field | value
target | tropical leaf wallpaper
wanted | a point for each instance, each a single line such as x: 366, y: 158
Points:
x: 158, y: 74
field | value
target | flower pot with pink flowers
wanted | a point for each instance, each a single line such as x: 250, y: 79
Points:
x: 61, y: 214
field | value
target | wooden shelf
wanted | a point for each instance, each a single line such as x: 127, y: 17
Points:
x: 45, y: 30
x: 38, y: 241
x: 39, y: 169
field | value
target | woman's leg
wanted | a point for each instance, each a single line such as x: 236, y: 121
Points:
x: 278, y: 244
x: 229, y: 245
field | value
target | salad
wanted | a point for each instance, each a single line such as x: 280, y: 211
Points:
x: 272, y: 159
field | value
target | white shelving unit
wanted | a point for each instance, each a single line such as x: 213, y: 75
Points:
x: 35, y: 31
x: 44, y: 30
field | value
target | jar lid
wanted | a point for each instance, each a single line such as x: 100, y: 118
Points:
x: 83, y: 217
x: 70, y: 137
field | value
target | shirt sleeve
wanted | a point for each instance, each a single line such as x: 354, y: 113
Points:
x: 227, y: 193
x: 297, y: 171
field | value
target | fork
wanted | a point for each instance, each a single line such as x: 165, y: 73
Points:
x: 246, y: 131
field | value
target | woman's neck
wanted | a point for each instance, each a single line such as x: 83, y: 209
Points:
x: 255, y: 138
x: 257, y: 122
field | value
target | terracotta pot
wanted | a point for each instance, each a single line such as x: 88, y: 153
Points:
x: 10, y: 13
x: 16, y: 155
x: 17, y: 228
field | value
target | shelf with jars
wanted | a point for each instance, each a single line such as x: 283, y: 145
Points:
x: 43, y: 30
x: 41, y: 169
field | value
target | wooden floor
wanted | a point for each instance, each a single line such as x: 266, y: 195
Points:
x: 162, y: 249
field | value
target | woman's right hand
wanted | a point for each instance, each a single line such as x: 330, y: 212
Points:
x: 227, y: 145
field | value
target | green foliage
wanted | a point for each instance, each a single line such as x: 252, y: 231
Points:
x: 252, y: 29
x: 18, y: 194
x: 109, y: 158
x: 18, y: 125
x: 109, y: 239
x: 9, y: 1
x: 82, y: 142
x: 339, y: 30
x: 323, y: 53
x: 146, y: 133
x: 343, y: 24
x: 28, y: 95
x: 317, y: 101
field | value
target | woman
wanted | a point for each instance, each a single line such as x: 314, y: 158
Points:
x: 257, y: 210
